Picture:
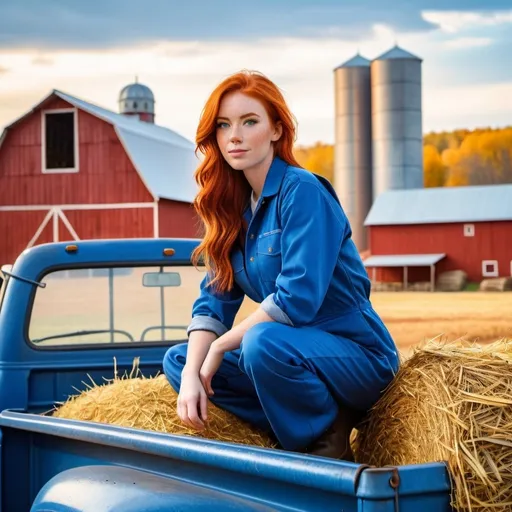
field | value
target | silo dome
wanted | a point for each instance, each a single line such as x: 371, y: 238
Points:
x: 137, y: 100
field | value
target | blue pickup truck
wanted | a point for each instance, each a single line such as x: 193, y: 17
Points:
x: 66, y: 311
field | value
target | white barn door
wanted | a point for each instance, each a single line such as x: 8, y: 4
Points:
x: 54, y: 214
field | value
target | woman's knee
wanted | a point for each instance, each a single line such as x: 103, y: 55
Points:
x: 173, y: 363
x: 260, y: 342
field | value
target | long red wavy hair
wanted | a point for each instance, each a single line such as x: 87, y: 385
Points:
x: 223, y: 192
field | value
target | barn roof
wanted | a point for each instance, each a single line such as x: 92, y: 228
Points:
x: 403, y: 260
x: 442, y: 205
x: 165, y: 160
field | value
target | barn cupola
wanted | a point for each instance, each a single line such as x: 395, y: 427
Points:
x: 137, y: 100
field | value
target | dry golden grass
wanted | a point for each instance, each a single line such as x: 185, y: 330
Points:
x: 416, y: 317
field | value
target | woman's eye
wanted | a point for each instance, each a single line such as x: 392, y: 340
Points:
x: 221, y: 125
x: 251, y: 121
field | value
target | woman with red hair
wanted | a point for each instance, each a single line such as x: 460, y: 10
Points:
x: 308, y: 363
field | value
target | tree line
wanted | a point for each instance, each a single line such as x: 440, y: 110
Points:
x: 461, y: 157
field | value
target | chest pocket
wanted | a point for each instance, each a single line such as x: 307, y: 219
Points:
x: 269, y: 255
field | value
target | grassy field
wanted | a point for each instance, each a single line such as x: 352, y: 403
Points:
x: 415, y: 317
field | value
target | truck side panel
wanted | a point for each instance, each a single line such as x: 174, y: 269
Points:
x: 37, y: 449
x: 35, y: 458
x: 95, y: 488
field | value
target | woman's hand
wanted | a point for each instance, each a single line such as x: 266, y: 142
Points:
x: 210, y: 366
x: 192, y: 401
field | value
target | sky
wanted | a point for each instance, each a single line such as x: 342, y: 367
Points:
x: 182, y: 50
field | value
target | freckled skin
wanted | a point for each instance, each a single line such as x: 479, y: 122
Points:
x: 255, y: 134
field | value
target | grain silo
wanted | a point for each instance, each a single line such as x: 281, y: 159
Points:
x: 397, y: 145
x: 352, y: 148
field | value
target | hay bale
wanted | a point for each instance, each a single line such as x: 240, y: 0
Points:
x: 150, y: 404
x: 382, y: 286
x: 499, y: 284
x: 450, y: 403
x: 419, y: 286
x: 452, y: 281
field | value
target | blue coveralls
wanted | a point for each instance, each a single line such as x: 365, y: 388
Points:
x: 327, y: 345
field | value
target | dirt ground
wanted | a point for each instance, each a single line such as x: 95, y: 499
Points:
x: 416, y: 317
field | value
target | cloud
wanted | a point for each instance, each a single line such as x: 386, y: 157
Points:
x: 469, y: 106
x: 469, y: 47
x: 453, y: 22
x: 182, y: 73
x: 41, y: 60
x: 15, y: 104
x: 117, y: 23
x: 468, y: 42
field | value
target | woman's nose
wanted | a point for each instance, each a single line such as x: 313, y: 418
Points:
x: 235, y: 135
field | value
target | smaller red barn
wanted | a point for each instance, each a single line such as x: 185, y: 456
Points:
x: 415, y: 233
x: 71, y: 170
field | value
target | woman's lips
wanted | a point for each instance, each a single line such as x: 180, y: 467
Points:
x: 238, y: 152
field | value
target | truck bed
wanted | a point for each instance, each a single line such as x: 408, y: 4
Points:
x: 84, y: 466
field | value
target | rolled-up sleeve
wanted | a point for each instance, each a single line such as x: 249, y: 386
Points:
x: 215, y: 311
x: 313, y: 229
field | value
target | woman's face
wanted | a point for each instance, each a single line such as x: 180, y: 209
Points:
x: 245, y: 132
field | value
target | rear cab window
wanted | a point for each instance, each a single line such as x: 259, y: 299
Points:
x: 104, y: 306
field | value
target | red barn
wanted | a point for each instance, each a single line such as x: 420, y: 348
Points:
x: 415, y: 233
x: 71, y: 170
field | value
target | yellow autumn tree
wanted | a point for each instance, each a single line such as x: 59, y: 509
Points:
x: 301, y: 154
x: 494, y: 150
x: 477, y: 157
x: 456, y: 175
x: 434, y: 171
x: 444, y: 140
x: 318, y: 159
x: 462, y: 157
x: 483, y: 158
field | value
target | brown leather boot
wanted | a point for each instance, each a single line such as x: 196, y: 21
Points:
x: 335, y: 441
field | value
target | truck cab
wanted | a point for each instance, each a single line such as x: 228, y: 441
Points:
x: 69, y: 309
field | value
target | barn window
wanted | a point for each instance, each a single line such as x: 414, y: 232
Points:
x: 469, y: 230
x: 59, y: 136
x: 490, y: 268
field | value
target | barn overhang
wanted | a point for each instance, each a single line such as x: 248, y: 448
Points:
x: 405, y: 261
